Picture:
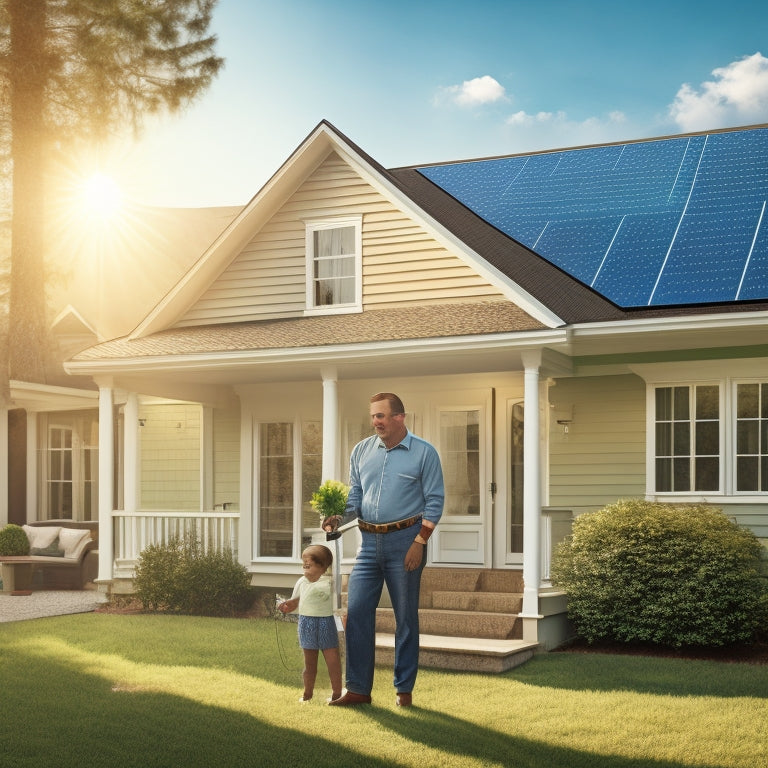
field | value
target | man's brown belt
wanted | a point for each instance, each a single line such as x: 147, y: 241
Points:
x: 398, y: 525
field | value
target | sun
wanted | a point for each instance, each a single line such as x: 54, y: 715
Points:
x: 100, y: 197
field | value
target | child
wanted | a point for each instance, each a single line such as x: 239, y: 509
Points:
x: 313, y: 597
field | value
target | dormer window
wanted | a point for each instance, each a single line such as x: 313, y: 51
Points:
x: 334, y: 265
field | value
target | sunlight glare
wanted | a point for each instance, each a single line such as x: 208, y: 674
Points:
x: 101, y: 197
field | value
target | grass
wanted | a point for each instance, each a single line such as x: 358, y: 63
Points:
x: 150, y: 690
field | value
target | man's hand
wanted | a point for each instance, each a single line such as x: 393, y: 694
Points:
x: 414, y: 556
x: 331, y: 523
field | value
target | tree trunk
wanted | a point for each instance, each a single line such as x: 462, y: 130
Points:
x: 28, y: 75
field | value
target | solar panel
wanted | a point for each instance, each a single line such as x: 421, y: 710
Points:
x: 655, y: 223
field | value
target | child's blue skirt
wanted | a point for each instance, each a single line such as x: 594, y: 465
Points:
x: 318, y: 632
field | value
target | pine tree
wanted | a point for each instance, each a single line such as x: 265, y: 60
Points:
x: 75, y: 70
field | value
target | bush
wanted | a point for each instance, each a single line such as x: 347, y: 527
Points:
x: 182, y: 577
x: 13, y: 541
x: 674, y: 575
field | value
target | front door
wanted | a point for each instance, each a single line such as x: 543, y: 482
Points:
x: 461, y: 424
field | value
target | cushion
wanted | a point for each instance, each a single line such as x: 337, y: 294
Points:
x: 52, y: 550
x: 70, y: 540
x: 41, y: 536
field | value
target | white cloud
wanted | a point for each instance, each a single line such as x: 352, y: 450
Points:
x: 471, y: 93
x: 737, y: 95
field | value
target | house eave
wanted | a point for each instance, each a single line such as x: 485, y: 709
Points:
x: 504, y: 348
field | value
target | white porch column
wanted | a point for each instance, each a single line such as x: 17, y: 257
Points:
x: 131, y: 450
x: 330, y: 470
x: 3, y: 465
x: 531, y: 496
x: 32, y: 466
x: 106, y: 483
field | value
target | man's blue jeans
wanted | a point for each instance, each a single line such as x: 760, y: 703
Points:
x: 380, y: 560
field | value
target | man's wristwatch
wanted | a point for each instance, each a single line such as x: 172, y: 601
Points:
x: 419, y: 540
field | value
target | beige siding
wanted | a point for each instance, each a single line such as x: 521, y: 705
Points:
x: 602, y: 458
x: 170, y: 457
x: 226, y: 458
x: 401, y: 263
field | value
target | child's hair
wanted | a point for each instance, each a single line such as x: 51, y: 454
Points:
x: 320, y: 554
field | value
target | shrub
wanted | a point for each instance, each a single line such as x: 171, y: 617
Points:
x: 13, y: 541
x: 182, y: 577
x: 675, y: 575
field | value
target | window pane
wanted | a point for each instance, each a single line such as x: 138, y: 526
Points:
x: 708, y: 402
x: 664, y: 439
x: 764, y: 436
x: 764, y: 401
x: 460, y: 454
x: 747, y: 401
x: 276, y: 490
x: 333, y: 268
x: 707, y: 438
x: 311, y: 470
x: 682, y: 475
x: 663, y: 475
x: 764, y: 473
x: 682, y: 433
x: 335, y: 242
x: 681, y: 408
x: 664, y: 404
x: 746, y: 473
x: 747, y: 437
x: 707, y: 474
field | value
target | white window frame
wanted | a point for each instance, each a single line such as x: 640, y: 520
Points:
x: 325, y: 224
x: 740, y: 372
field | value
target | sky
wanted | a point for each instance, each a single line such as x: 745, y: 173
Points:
x: 424, y: 81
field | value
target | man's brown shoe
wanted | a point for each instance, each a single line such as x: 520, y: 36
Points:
x: 404, y: 700
x: 350, y: 699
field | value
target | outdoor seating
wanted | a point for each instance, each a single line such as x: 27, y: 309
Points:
x: 63, y: 555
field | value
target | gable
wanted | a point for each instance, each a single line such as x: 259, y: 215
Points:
x: 669, y: 222
x: 402, y: 264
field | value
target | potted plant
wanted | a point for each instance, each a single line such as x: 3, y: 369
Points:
x: 14, y: 543
x: 330, y: 499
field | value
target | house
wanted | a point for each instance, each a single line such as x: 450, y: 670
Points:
x: 568, y: 328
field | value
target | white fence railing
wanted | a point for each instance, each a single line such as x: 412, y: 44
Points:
x: 135, y: 531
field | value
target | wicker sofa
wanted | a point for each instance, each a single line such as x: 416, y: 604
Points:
x: 63, y: 555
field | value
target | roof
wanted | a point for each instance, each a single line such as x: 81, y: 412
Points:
x: 667, y: 222
x: 415, y: 322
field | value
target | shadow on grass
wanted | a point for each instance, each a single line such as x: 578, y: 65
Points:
x: 643, y: 674
x: 463, y: 739
x: 72, y: 718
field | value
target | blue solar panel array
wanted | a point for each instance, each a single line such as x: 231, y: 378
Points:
x: 667, y: 222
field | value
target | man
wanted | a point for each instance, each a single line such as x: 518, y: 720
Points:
x: 396, y: 491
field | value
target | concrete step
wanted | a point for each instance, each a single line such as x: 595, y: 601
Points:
x: 469, y: 654
x: 487, y: 602
x: 499, y: 626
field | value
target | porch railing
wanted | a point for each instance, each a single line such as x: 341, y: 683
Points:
x: 556, y: 524
x: 135, y: 531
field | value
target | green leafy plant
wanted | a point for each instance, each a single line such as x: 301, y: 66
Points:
x: 13, y: 541
x: 673, y: 575
x: 330, y: 498
x: 183, y: 577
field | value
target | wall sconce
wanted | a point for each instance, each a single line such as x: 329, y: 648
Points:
x: 142, y: 422
x: 564, y: 417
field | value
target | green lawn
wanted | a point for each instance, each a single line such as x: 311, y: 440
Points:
x: 96, y: 690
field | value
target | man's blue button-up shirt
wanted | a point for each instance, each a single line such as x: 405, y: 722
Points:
x: 396, y: 483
